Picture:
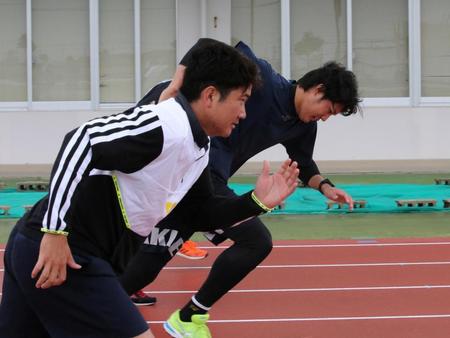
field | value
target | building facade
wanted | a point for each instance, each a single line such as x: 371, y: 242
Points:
x: 63, y: 62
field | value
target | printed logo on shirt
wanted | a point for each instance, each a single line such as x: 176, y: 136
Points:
x: 168, y: 238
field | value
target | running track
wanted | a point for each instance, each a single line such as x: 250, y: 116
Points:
x: 339, y: 289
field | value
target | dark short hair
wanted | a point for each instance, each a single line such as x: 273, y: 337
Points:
x: 340, y: 85
x: 214, y: 63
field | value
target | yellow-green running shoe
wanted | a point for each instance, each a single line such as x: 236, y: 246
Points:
x: 195, y: 329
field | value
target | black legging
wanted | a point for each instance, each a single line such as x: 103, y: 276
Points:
x: 252, y: 243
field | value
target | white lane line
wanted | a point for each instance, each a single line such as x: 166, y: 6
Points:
x: 293, y: 246
x: 295, y: 266
x: 315, y: 319
x: 362, y: 288
x: 306, y: 266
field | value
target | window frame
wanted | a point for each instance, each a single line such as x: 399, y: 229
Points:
x: 94, y: 64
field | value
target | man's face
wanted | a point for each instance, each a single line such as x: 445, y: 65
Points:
x: 225, y: 114
x: 312, y: 106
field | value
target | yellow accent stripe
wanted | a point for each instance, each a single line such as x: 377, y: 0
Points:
x: 119, y: 198
x: 169, y: 207
x: 261, y: 204
x: 55, y: 232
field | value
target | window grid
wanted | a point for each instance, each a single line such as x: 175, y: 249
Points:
x: 414, y: 29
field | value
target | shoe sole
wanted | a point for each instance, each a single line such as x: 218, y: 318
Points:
x: 191, y: 257
x: 171, y: 331
x: 144, y: 304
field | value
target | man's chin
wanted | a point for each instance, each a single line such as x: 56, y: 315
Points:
x: 226, y: 133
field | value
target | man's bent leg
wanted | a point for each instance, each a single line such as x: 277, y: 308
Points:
x: 159, y: 248
x: 253, y: 243
x: 143, y: 269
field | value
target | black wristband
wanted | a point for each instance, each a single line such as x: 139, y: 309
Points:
x: 324, y: 181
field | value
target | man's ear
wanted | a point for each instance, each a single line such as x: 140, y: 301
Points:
x: 208, y: 95
x: 320, y: 88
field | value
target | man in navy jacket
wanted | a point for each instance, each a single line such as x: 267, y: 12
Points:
x: 278, y: 112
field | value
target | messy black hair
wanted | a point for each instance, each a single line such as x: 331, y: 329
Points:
x: 211, y: 62
x: 339, y: 85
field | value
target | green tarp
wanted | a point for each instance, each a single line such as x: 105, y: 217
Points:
x: 378, y: 197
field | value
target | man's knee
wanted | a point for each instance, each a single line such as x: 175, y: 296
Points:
x: 265, y: 242
x: 255, y: 236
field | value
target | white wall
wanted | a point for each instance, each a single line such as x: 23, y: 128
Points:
x: 35, y: 137
x: 381, y: 134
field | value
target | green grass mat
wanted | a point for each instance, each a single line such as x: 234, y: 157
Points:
x: 378, y: 198
x: 337, y: 225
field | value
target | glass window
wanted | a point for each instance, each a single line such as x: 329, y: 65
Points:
x: 318, y: 34
x: 158, y: 34
x: 13, y: 52
x: 60, y: 50
x: 435, y: 46
x: 380, y: 47
x: 258, y: 23
x: 116, y: 51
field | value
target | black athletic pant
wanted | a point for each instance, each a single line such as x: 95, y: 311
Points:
x: 252, y: 243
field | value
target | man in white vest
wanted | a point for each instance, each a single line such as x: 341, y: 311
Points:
x: 113, y: 180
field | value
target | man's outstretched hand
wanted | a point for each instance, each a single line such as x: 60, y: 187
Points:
x: 273, y: 189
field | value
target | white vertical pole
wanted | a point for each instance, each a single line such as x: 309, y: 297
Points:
x: 94, y: 52
x: 29, y: 53
x: 415, y: 90
x: 203, y: 19
x: 285, y: 39
x: 349, y: 35
x: 137, y: 50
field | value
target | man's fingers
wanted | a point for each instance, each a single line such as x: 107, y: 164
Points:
x: 283, y: 167
x: 45, y: 273
x: 72, y: 264
x: 52, y: 280
x: 292, y: 171
x: 266, y: 168
x: 37, y: 268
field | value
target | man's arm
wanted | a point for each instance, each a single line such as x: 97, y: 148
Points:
x: 301, y: 150
x: 207, y: 211
x: 98, y: 144
x: 328, y: 189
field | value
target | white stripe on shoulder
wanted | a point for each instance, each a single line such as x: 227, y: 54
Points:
x: 126, y: 132
x: 122, y: 124
x: 108, y: 119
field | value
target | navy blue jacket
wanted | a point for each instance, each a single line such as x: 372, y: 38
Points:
x: 271, y: 119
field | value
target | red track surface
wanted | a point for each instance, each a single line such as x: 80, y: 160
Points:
x: 339, y: 289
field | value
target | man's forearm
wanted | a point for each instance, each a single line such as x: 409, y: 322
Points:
x: 315, y: 181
